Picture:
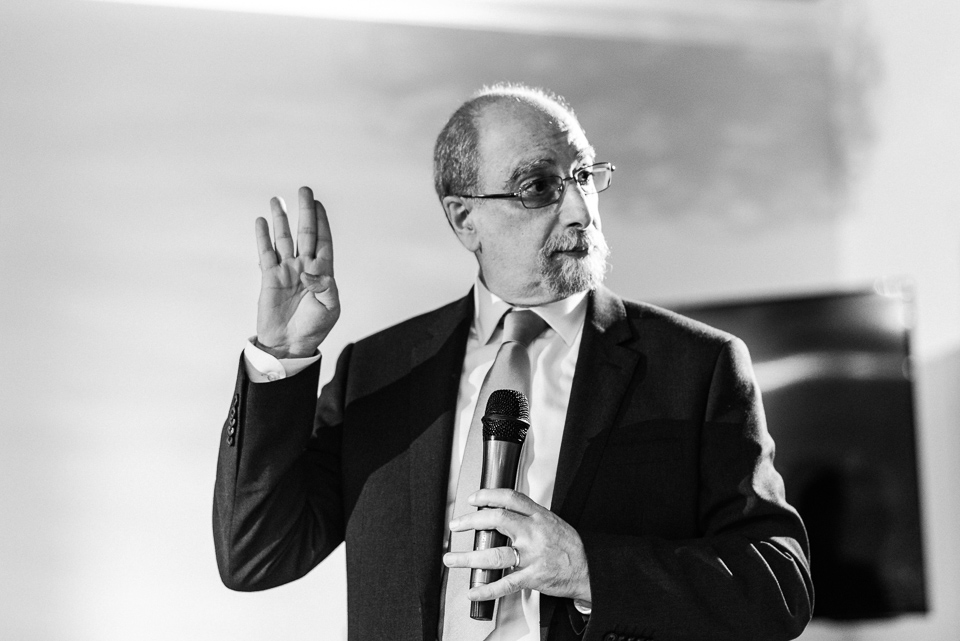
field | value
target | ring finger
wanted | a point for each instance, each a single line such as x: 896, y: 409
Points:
x: 281, y: 229
x: 500, y: 558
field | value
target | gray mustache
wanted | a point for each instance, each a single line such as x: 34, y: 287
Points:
x: 575, y: 241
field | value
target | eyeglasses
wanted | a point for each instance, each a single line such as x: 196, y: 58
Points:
x: 548, y: 190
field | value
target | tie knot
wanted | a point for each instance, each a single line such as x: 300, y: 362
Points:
x: 522, y: 326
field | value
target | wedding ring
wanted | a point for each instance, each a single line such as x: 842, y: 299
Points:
x: 516, y: 554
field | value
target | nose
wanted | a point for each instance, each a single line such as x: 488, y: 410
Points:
x: 577, y: 209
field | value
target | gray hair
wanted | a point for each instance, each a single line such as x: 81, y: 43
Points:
x: 456, y: 156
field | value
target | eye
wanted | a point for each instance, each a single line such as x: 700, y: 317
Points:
x: 539, y: 186
x: 584, y: 176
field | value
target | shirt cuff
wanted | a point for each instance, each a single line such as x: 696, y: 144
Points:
x: 583, y: 607
x: 265, y: 368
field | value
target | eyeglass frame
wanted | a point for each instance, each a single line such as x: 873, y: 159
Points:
x: 563, y: 187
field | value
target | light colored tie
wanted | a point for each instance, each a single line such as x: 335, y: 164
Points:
x: 510, y: 370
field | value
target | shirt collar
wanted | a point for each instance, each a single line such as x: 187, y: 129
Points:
x: 564, y: 316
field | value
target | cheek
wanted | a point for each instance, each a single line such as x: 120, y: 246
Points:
x: 528, y: 244
x: 515, y: 239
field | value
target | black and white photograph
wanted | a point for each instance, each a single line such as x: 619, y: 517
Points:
x: 480, y: 320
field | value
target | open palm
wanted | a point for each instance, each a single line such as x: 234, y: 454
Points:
x: 299, y: 302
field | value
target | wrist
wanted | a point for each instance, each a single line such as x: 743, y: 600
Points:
x: 285, y: 351
x: 584, y: 596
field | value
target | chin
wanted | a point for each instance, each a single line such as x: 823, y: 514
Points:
x: 566, y: 276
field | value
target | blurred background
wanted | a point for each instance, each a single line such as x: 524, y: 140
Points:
x: 764, y: 149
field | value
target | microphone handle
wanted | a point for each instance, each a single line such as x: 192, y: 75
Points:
x: 501, y: 461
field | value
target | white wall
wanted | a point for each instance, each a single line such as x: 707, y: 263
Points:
x: 137, y: 145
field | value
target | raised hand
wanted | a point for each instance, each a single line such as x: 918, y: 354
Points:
x: 299, y: 302
x: 552, y: 558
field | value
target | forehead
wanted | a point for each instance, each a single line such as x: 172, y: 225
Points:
x: 516, y: 137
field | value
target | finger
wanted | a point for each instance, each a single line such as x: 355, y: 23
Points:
x: 307, y: 226
x: 503, y: 521
x: 268, y: 257
x: 324, y: 251
x: 499, y: 558
x: 281, y: 229
x: 512, y: 582
x: 509, y: 499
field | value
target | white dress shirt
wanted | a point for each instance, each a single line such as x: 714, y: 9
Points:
x: 553, y: 359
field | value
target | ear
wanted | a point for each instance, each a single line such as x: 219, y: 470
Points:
x: 462, y: 221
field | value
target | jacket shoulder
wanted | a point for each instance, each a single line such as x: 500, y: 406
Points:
x: 438, y: 320
x: 392, y: 353
x: 660, y: 323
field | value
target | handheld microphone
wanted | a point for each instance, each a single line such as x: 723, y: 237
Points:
x: 505, y: 424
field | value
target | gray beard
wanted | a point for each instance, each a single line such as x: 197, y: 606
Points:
x: 565, y: 275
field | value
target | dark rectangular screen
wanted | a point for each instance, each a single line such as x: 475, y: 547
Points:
x: 835, y: 377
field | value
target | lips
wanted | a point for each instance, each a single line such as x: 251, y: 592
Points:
x: 573, y: 244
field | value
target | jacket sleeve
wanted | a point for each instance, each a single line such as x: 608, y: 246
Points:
x: 746, y: 575
x: 277, y: 508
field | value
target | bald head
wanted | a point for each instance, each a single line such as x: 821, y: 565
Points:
x: 457, y: 157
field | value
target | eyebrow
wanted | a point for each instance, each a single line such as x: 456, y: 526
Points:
x: 583, y: 155
x: 587, y: 152
x: 526, y: 167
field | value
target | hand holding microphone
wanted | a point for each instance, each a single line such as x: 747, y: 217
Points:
x: 553, y: 559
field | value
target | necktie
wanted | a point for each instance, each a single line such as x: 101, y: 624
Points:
x: 510, y: 370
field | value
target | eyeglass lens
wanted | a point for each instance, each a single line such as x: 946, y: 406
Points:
x: 546, y: 191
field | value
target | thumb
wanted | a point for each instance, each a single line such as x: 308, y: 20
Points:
x: 323, y: 287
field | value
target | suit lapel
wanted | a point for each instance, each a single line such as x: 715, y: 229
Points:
x: 606, y: 364
x: 436, y: 359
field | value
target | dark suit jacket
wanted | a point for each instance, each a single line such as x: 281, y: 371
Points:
x: 666, y: 471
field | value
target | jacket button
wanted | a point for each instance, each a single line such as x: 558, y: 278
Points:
x: 236, y: 400
x: 231, y: 430
x: 229, y: 440
x: 610, y: 636
x: 233, y: 422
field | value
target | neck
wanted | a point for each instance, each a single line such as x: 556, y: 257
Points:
x: 534, y: 296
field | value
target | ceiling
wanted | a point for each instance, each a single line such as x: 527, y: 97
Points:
x: 766, y: 23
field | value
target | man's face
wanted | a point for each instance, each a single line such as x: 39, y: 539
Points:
x: 535, y: 256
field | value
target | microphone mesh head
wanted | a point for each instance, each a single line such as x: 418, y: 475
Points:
x: 507, y: 417
x: 509, y: 403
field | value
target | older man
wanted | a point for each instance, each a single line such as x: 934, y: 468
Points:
x: 647, y: 505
